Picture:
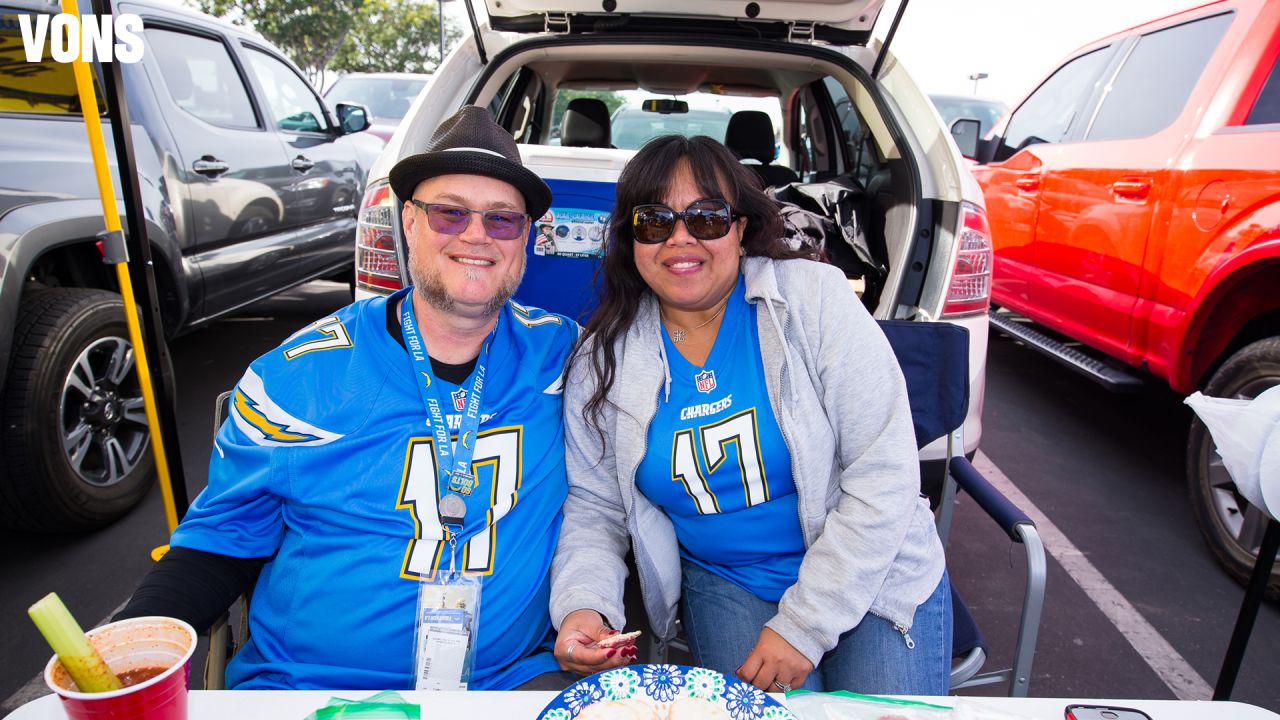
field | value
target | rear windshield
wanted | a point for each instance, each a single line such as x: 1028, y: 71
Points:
x: 45, y: 87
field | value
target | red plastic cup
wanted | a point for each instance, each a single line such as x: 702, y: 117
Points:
x: 127, y: 645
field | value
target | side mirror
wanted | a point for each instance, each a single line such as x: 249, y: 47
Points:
x: 965, y: 131
x: 352, y: 118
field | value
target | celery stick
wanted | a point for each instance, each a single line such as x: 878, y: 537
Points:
x: 68, y: 641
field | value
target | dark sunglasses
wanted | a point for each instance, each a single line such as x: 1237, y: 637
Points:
x: 455, y: 219
x: 705, y: 219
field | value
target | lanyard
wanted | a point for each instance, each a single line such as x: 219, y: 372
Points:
x: 453, y: 464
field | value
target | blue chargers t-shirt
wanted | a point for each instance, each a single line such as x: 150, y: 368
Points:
x: 325, y: 464
x: 718, y: 466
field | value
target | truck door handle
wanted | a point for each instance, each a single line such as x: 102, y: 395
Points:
x: 302, y: 164
x: 210, y: 166
x: 1132, y: 189
x: 1028, y: 184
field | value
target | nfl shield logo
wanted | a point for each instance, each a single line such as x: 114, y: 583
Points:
x: 459, y: 399
x: 706, y: 381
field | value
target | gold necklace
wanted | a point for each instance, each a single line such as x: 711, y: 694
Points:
x: 679, y: 334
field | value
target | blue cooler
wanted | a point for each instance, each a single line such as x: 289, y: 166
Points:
x: 567, y: 243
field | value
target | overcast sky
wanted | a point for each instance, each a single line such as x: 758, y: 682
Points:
x: 1016, y: 42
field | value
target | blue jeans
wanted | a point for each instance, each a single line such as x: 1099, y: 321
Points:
x: 722, y: 622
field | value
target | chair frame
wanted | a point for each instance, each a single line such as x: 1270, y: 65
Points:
x: 960, y: 474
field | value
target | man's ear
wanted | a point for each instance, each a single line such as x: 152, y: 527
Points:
x: 408, y: 217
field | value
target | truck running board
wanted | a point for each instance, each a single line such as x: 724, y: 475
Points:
x: 1109, y: 377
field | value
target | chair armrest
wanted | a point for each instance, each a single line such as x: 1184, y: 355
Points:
x: 993, y: 502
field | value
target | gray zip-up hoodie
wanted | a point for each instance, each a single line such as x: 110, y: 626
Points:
x: 839, y: 398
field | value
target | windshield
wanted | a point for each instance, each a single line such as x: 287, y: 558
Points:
x: 708, y: 115
x: 952, y: 108
x: 388, y: 98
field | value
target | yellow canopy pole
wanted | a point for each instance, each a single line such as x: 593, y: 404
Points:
x: 110, y: 213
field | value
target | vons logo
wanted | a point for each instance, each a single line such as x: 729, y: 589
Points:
x: 97, y: 37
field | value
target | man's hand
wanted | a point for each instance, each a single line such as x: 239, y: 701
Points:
x: 580, y: 630
x: 773, y: 665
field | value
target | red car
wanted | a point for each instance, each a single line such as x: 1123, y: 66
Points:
x: 1134, y: 202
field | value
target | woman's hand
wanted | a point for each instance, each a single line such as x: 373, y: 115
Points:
x: 773, y: 665
x: 580, y: 629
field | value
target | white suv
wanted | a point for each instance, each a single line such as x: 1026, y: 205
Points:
x: 849, y: 114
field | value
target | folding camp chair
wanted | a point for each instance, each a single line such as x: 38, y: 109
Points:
x: 223, y: 643
x: 935, y: 362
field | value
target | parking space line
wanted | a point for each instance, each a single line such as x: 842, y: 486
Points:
x: 1167, y: 662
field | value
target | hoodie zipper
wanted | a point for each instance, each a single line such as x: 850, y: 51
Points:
x: 911, y: 644
x: 786, y: 439
x: 644, y: 594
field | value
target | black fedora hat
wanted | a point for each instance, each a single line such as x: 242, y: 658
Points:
x: 471, y: 143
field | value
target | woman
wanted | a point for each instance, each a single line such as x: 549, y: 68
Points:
x: 736, y: 416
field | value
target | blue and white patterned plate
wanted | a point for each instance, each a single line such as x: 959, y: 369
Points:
x: 661, y: 685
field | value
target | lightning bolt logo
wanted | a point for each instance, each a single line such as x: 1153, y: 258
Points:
x: 426, y: 377
x: 248, y: 409
x: 465, y: 443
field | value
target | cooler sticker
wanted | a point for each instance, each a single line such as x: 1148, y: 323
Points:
x: 571, y: 232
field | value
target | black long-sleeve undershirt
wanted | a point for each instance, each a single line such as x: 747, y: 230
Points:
x: 198, y: 586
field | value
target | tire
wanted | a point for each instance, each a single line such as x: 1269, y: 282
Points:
x: 1231, y: 526
x: 76, y: 453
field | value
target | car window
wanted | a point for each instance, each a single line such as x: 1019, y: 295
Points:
x: 46, y: 87
x: 201, y: 78
x: 388, y: 98
x: 1266, y: 109
x: 851, y: 128
x: 1156, y: 79
x: 986, y: 112
x: 294, y: 108
x: 817, y: 155
x: 1046, y: 116
x: 846, y: 113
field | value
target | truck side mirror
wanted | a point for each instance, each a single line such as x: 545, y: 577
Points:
x: 965, y: 131
x: 352, y: 117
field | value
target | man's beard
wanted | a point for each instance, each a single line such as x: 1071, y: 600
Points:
x: 430, y: 283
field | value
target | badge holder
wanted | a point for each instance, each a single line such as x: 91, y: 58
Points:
x: 448, y: 613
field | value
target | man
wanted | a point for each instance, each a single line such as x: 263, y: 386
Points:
x: 330, y: 472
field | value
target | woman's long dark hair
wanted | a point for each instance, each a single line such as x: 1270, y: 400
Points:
x: 646, y: 179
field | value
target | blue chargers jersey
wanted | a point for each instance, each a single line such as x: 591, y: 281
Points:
x: 326, y: 464
x: 718, y: 465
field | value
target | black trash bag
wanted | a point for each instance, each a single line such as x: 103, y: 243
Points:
x: 824, y: 216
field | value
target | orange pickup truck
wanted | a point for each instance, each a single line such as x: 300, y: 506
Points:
x: 1134, y: 202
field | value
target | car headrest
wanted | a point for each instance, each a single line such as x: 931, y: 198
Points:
x: 750, y: 136
x: 585, y: 124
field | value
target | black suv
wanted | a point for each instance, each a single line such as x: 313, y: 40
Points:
x: 250, y: 186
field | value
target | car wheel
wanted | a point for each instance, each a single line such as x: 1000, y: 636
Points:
x: 1232, y: 527
x: 76, y: 452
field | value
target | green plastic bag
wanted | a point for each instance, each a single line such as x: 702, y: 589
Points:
x: 387, y: 705
x: 844, y: 705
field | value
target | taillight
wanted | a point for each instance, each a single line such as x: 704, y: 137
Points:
x: 970, y: 290
x: 377, y: 267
